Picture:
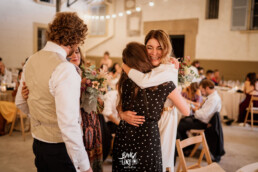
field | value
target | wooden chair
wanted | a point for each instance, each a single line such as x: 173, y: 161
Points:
x: 20, y: 115
x: 253, y: 110
x: 197, y: 132
x: 211, y: 167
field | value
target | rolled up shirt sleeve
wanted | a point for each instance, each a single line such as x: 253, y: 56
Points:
x: 161, y: 74
x: 65, y: 86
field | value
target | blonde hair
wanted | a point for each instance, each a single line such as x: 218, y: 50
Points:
x: 164, y: 41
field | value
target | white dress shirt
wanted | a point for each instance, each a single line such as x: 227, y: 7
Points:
x: 7, y: 77
x: 211, y: 105
x: 64, y: 85
x: 110, y: 103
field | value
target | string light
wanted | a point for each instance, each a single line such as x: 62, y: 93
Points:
x: 151, y: 3
x: 128, y: 12
x: 120, y: 14
x: 138, y: 9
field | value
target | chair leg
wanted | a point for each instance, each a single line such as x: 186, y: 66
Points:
x: 194, y: 149
x: 246, y: 116
x: 252, y: 118
x: 178, y: 167
x: 14, y: 120
x: 22, y: 127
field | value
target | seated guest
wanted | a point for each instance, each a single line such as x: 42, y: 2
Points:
x: 17, y: 84
x: 192, y: 94
x: 216, y: 78
x: 194, y: 67
x: 249, y: 88
x: 201, y: 72
x: 202, y: 115
x: 5, y: 75
x: 209, y: 75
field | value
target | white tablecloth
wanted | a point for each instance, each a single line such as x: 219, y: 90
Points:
x: 230, y: 101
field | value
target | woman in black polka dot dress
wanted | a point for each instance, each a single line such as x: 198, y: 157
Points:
x: 138, y: 148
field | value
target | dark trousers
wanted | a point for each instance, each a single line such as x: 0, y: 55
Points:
x: 51, y: 157
x: 188, y: 123
x: 112, y: 127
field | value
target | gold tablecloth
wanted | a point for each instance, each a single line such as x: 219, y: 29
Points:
x: 7, y: 110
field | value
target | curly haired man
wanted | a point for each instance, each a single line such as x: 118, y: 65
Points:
x: 53, y: 101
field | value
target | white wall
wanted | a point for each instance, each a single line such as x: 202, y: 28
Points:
x: 214, y: 41
x: 16, y: 28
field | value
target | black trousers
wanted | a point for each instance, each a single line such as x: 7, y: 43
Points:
x: 188, y: 123
x: 52, y: 157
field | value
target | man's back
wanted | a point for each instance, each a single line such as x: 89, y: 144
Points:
x: 39, y: 69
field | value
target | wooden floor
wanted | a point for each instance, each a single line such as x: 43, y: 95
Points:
x: 241, y: 146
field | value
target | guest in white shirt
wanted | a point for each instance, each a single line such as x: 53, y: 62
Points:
x: 110, y: 112
x: 54, y: 95
x: 5, y: 74
x: 201, y: 116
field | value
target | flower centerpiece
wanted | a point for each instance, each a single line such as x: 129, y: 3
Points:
x: 94, y: 84
x: 186, y: 74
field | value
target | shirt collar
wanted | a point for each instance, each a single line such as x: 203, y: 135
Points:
x: 51, y: 46
x: 212, y: 94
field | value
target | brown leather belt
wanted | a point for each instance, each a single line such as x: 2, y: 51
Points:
x: 168, y: 108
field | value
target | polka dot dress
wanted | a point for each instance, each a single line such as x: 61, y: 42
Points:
x: 138, y: 148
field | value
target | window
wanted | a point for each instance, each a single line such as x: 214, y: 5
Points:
x: 212, y: 9
x: 41, y: 38
x: 254, y: 15
x: 47, y: 2
x: 98, y: 25
x: 244, y: 15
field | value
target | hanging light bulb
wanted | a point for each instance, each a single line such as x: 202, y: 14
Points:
x: 97, y: 17
x: 113, y: 15
x: 92, y: 17
x: 102, y: 17
x: 120, y: 14
x: 128, y: 12
x: 107, y: 16
x: 138, y: 9
x: 151, y: 3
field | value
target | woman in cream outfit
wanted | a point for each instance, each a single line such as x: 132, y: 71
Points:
x: 159, y: 48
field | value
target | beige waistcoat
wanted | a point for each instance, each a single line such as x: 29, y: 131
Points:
x: 39, y: 69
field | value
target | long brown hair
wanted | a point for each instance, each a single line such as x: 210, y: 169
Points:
x: 135, y: 56
x: 192, y: 89
x: 164, y: 41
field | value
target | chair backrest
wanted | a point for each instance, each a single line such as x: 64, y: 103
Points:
x: 253, y: 98
x: 190, y: 141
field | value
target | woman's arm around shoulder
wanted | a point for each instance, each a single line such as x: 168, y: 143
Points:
x: 161, y: 74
